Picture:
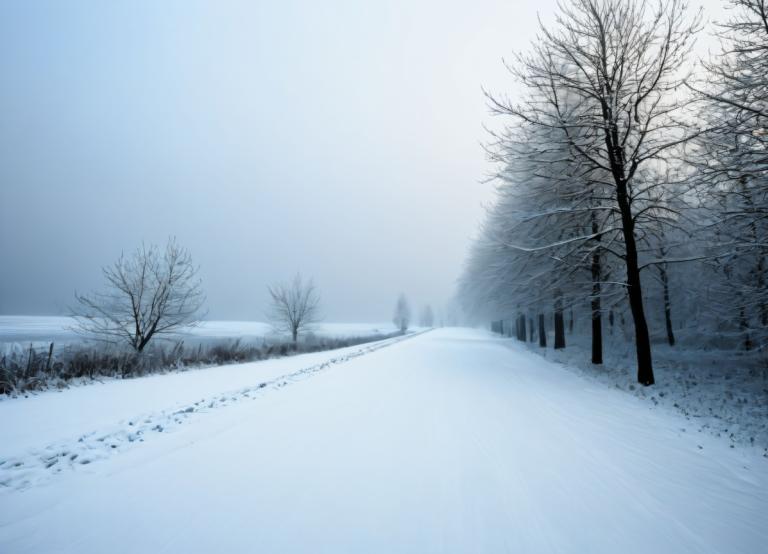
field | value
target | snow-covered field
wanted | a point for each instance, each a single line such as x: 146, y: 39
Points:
x: 46, y: 329
x: 447, y: 441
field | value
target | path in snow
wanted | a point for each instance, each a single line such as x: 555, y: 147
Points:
x: 454, y: 441
x: 71, y: 418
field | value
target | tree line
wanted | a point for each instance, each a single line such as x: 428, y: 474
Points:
x: 628, y: 184
x: 156, y: 292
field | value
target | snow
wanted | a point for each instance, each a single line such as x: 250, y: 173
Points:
x: 723, y: 392
x: 50, y: 416
x: 447, y: 441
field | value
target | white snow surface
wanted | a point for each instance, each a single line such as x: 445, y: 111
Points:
x: 447, y: 441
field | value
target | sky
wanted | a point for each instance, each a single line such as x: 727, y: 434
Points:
x: 339, y: 139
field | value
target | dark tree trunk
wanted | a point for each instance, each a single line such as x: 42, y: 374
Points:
x: 634, y: 288
x: 618, y: 165
x: 744, y: 324
x: 50, y: 357
x: 523, y: 333
x: 667, y: 303
x: 542, y: 332
x: 761, y: 288
x: 610, y: 320
x: 530, y: 329
x: 597, y: 322
x: 570, y: 321
x: 559, y: 322
x: 760, y: 269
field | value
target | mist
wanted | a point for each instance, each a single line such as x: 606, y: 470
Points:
x: 342, y: 140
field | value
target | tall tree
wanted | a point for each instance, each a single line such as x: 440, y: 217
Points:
x: 621, y: 62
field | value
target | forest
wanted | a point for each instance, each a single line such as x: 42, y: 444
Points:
x: 631, y: 177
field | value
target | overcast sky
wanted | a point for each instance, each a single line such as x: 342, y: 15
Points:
x: 338, y: 138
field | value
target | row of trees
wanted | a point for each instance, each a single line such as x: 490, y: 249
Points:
x: 402, y: 317
x: 157, y: 292
x: 154, y: 292
x: 627, y: 184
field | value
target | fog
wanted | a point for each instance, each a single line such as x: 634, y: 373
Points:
x: 338, y: 139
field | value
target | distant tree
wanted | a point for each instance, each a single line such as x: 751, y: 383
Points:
x: 427, y: 318
x: 150, y: 293
x: 402, y: 314
x: 295, y: 306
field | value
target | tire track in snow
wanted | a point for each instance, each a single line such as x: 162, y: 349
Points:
x: 38, y: 465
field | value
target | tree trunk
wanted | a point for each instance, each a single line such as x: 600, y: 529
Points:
x: 761, y: 288
x: 50, y: 357
x: 530, y: 329
x: 760, y: 269
x: 634, y: 289
x: 667, y: 303
x: 523, y: 333
x: 542, y: 332
x: 744, y: 324
x: 559, y: 322
x: 597, y: 322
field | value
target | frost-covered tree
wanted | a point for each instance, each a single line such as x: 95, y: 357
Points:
x: 620, y: 62
x: 402, y: 317
x: 542, y: 246
x: 732, y: 172
x: 294, y: 306
x: 150, y: 293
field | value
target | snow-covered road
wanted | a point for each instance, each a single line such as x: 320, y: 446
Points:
x: 451, y: 441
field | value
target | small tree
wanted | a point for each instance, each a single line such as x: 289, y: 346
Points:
x: 427, y: 318
x: 402, y: 314
x: 295, y: 306
x: 149, y: 293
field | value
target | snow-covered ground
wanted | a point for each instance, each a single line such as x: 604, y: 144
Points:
x: 717, y: 391
x: 39, y: 330
x: 447, y: 441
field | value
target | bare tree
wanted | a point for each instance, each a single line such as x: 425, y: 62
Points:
x: 732, y: 168
x: 402, y: 314
x: 617, y: 64
x: 150, y: 293
x: 295, y: 306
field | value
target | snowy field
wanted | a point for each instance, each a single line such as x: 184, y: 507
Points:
x: 45, y: 329
x: 446, y: 441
